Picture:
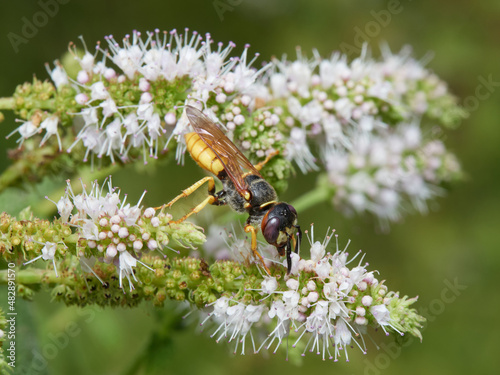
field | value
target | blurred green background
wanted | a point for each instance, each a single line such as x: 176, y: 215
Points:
x: 456, y: 242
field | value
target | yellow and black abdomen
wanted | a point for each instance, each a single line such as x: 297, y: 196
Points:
x: 203, y: 155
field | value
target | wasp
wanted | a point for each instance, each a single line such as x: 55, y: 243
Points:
x: 245, y: 192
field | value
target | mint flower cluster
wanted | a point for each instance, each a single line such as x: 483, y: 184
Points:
x: 365, y: 123
x: 385, y: 174
x: 370, y: 128
x: 100, y: 243
x: 125, y: 101
x: 94, y: 226
x: 323, y: 306
x: 366, y: 118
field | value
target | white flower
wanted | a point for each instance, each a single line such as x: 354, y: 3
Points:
x: 113, y: 139
x: 333, y: 132
x: 127, y: 58
x: 291, y: 300
x: 220, y: 306
x: 87, y: 60
x: 317, y: 251
x: 131, y: 213
x: 89, y: 230
x: 81, y: 98
x: 48, y: 253
x: 278, y: 85
x: 308, y: 114
x: 342, y: 336
x: 243, y: 76
x: 292, y: 284
x: 334, y: 70
x: 155, y: 130
x: 151, y: 67
x: 412, y: 136
x: 157, y: 56
x: 367, y: 300
x: 295, y: 263
x: 235, y: 321
x: 90, y: 116
x: 297, y: 75
x: 323, y: 268
x: 26, y: 130
x: 58, y: 75
x: 298, y: 150
x: 126, y: 264
x: 49, y: 250
x: 64, y: 208
x: 108, y: 107
x: 381, y: 314
x: 269, y: 285
x: 92, y: 139
x: 343, y: 108
x: 253, y: 313
x: 282, y: 328
x: 82, y: 77
x: 98, y: 91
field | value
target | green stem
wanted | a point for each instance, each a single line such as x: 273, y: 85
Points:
x: 318, y: 195
x: 12, y: 174
x: 7, y: 103
x: 49, y: 104
x: 31, y: 276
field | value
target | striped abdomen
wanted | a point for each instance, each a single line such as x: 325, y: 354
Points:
x: 202, y: 154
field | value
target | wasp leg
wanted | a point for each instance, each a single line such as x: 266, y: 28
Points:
x: 212, y: 199
x: 185, y: 193
x: 299, y: 239
x: 190, y: 190
x: 251, y: 229
x: 263, y: 162
x: 208, y: 200
x: 288, y: 256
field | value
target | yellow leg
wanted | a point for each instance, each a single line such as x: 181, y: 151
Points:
x: 185, y: 193
x: 263, y: 162
x: 210, y: 199
x: 251, y: 229
x: 190, y: 190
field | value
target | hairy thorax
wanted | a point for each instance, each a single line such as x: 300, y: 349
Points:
x: 261, y: 193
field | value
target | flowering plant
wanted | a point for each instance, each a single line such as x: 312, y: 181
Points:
x: 363, y: 124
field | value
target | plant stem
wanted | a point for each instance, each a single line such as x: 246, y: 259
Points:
x: 31, y: 276
x: 12, y: 174
x: 319, y: 194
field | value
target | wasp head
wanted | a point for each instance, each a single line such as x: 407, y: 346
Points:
x: 278, y: 227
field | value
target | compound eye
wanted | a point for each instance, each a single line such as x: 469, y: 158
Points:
x: 271, y: 230
x: 290, y: 207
